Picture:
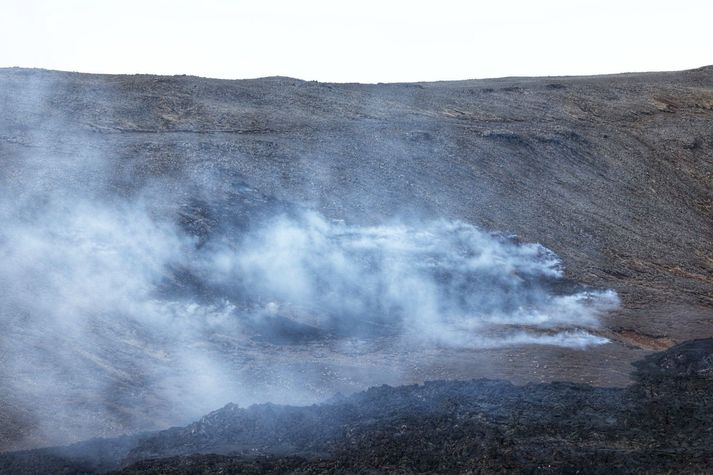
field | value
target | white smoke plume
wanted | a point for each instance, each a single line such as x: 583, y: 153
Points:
x: 87, y: 313
x: 447, y: 282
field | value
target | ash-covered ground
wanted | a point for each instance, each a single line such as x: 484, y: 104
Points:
x: 174, y: 244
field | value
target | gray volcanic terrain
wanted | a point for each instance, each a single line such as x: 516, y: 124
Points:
x: 659, y: 424
x: 174, y: 244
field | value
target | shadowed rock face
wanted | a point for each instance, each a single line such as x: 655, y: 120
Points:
x: 660, y: 423
x: 613, y: 173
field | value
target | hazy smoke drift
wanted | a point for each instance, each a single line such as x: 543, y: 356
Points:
x: 444, y: 282
x: 116, y: 316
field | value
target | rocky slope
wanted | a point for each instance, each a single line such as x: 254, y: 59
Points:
x: 613, y: 173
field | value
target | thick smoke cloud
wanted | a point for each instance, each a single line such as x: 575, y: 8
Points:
x: 95, y: 320
x: 445, y: 282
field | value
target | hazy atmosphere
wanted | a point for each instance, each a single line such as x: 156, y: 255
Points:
x: 367, y: 41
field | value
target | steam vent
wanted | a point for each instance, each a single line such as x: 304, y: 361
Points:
x: 276, y: 276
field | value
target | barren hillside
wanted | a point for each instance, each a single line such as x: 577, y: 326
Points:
x: 614, y: 174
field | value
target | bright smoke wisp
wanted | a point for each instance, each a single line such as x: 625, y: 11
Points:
x: 447, y: 282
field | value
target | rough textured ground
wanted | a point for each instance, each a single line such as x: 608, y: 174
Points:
x: 613, y: 173
x: 660, y: 424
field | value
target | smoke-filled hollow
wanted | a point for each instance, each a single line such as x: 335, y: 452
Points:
x: 127, y: 294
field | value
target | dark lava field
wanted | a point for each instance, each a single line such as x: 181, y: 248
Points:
x: 660, y: 424
x: 500, y: 275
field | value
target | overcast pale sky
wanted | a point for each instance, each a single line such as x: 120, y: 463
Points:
x: 362, y: 41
